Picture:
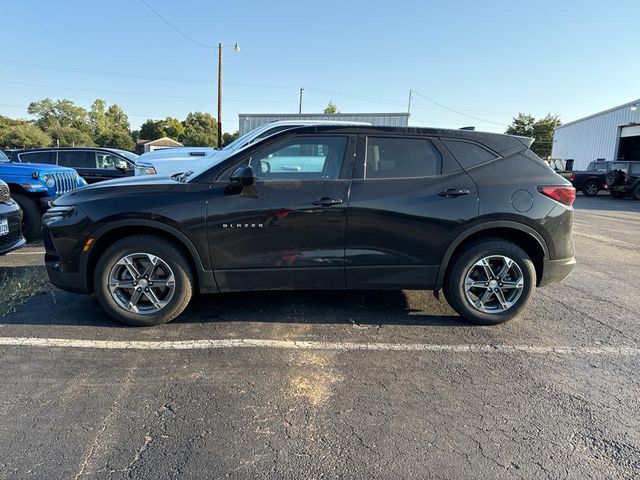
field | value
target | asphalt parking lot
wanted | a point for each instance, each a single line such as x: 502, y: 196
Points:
x: 335, y: 385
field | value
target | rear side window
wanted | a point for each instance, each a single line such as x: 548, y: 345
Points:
x: 634, y: 168
x: 77, y: 159
x: 468, y: 154
x: 38, y: 157
x: 389, y: 157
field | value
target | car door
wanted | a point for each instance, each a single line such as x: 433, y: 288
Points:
x: 82, y: 161
x: 110, y: 166
x: 287, y: 230
x: 408, y: 201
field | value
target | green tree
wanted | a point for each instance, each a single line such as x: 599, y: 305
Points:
x: 115, y: 139
x: 70, y: 137
x: 118, y: 120
x: 59, y: 113
x: 25, y: 135
x: 173, y: 128
x: 152, y: 130
x: 227, y: 137
x: 540, y: 130
x: 331, y: 108
x: 97, y: 117
x: 199, y: 130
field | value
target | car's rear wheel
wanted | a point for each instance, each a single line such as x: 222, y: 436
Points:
x: 636, y: 192
x: 590, y: 188
x: 31, y: 217
x: 143, y: 280
x: 491, y: 282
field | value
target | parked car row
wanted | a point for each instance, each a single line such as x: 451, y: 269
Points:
x: 621, y: 178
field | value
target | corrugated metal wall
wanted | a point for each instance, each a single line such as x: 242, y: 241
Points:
x: 249, y: 121
x: 593, y: 137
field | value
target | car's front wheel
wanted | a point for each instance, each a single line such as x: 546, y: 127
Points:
x: 491, y: 282
x: 143, y: 280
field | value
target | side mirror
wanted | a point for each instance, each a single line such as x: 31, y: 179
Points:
x: 243, y: 176
x: 122, y: 165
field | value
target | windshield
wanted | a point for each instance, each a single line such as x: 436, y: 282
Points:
x: 127, y: 154
x: 238, y: 142
x: 3, y: 157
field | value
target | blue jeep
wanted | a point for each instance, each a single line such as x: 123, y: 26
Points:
x: 33, y: 185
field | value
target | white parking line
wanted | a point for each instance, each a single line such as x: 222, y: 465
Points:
x: 33, y: 252
x: 311, y: 345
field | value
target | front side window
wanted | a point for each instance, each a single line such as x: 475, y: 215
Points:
x: 38, y: 157
x: 109, y: 161
x: 314, y: 158
x: 634, y: 168
x: 77, y: 159
x: 389, y: 157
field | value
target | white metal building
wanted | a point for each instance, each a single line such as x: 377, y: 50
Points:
x: 610, y: 135
x: 249, y: 121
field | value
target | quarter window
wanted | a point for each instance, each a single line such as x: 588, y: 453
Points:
x: 38, y: 157
x: 389, y: 157
x: 468, y: 154
x: 77, y: 159
x: 301, y: 159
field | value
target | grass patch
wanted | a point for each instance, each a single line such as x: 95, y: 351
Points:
x: 18, y: 284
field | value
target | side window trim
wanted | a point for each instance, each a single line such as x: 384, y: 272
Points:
x: 346, y: 170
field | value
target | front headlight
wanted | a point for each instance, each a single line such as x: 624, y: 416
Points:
x: 56, y: 214
x: 48, y: 180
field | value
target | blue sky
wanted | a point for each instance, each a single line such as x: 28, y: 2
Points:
x: 488, y: 60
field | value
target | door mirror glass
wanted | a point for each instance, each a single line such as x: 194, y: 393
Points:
x: 122, y: 165
x: 243, y: 176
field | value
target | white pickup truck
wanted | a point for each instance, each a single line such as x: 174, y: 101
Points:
x: 171, y: 161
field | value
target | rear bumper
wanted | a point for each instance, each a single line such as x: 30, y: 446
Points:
x: 554, y: 271
x: 13, y: 215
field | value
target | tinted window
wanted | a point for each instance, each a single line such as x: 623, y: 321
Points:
x: 301, y: 159
x: 38, y: 157
x: 77, y: 159
x: 469, y: 154
x: 401, y: 158
x: 635, y: 168
x: 624, y: 166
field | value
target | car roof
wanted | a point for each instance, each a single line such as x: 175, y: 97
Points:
x: 48, y: 149
x: 499, y: 142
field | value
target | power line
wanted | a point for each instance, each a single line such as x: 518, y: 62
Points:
x: 176, y: 28
x: 458, y: 112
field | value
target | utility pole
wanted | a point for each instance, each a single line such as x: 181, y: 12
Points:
x: 409, y: 106
x: 220, y: 95
x: 300, y: 103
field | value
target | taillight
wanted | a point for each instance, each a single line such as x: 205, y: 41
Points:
x: 572, y: 177
x: 563, y: 194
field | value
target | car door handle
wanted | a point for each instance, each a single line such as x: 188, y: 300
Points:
x: 453, y: 192
x: 327, y: 202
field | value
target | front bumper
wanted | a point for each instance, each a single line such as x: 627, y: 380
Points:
x: 554, y: 271
x: 63, y: 274
x: 14, y: 239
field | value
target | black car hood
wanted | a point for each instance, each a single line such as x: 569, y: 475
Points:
x: 109, y: 189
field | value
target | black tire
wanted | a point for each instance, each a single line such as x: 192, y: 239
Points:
x: 636, y: 192
x: 612, y: 178
x: 616, y: 194
x: 454, y: 287
x: 167, y: 253
x: 31, y: 217
x: 590, y: 188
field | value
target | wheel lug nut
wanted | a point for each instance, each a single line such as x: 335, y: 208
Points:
x: 135, y: 283
x: 146, y: 289
x: 139, y: 289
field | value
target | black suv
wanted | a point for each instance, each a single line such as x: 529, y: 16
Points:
x: 623, y: 178
x: 327, y: 207
x: 92, y: 164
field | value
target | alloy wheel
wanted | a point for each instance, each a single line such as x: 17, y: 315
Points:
x: 142, y: 283
x: 493, y: 284
x: 591, y: 188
